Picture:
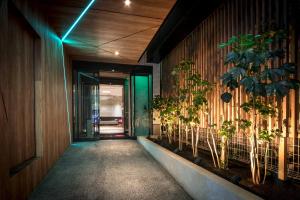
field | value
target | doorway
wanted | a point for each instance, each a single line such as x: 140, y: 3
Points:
x: 111, y: 109
x: 111, y: 102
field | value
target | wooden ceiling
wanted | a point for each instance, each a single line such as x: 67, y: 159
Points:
x: 107, y: 27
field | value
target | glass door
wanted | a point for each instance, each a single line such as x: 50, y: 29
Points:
x: 88, y: 113
x: 111, y: 109
x: 142, y: 93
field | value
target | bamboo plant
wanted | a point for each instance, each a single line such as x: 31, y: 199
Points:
x: 254, y: 66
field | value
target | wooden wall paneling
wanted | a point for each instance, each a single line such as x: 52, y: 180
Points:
x: 214, y: 102
x: 218, y: 57
x: 282, y: 160
x: 230, y: 33
x: 4, y: 175
x: 297, y: 52
x: 223, y: 67
x: 47, y: 89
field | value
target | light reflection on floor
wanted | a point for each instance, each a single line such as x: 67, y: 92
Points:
x: 111, y: 129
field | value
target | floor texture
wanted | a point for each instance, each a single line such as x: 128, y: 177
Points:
x: 108, y: 169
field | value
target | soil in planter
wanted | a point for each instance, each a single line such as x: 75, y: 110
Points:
x: 239, y: 174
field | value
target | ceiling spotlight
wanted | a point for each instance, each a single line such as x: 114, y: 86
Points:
x: 112, y: 70
x: 127, y: 2
x: 116, y: 53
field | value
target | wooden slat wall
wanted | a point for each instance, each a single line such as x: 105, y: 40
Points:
x: 21, y: 70
x: 3, y: 119
x: 233, y: 17
x: 50, y: 110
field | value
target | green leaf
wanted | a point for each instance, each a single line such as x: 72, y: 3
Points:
x: 279, y: 88
x: 227, y: 129
x: 295, y: 84
x: 272, y: 74
x: 232, y: 57
x: 258, y: 36
x: 289, y: 68
x: 226, y: 97
x: 222, y: 45
x: 236, y: 72
x: 249, y: 83
x: 277, y: 53
x: 246, y: 106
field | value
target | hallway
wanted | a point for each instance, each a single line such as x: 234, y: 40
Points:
x: 109, y: 169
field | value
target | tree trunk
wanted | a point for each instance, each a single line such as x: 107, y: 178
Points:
x: 179, y: 136
x: 169, y: 133
x: 266, y: 160
x: 210, y: 148
x: 160, y: 131
x: 174, y: 133
x: 197, y: 140
x: 193, y: 146
x: 224, y: 152
x: 186, y: 135
x: 255, y: 170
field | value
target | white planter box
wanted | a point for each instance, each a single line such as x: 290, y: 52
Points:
x: 198, y: 182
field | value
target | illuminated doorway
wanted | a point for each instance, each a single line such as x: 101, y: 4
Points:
x: 111, y: 102
x: 111, y: 109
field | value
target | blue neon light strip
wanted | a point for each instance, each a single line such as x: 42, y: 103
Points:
x: 77, y: 20
x: 66, y: 92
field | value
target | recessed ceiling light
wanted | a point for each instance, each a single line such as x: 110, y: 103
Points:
x: 116, y: 53
x: 112, y: 70
x: 127, y: 2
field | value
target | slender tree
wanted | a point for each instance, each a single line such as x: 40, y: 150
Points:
x: 199, y: 91
x: 182, y: 90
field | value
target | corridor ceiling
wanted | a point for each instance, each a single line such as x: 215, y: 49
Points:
x: 107, y: 27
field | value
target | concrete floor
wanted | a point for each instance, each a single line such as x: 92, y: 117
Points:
x: 108, y: 169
